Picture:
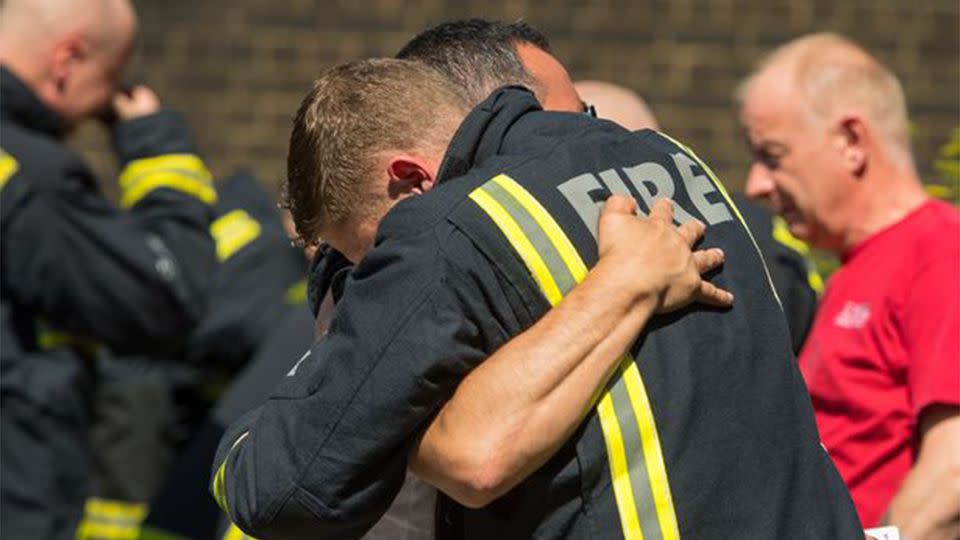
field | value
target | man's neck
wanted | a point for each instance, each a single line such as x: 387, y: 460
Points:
x: 885, y: 198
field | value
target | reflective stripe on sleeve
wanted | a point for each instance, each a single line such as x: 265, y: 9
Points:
x: 637, y: 469
x: 8, y: 167
x: 219, y: 479
x: 181, y: 172
x: 232, y: 231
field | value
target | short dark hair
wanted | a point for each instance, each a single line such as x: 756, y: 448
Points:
x: 476, y: 54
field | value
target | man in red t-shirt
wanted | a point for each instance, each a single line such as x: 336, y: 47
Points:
x: 827, y: 127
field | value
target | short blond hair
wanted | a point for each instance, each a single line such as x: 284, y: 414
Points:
x: 354, y: 112
x: 831, y: 71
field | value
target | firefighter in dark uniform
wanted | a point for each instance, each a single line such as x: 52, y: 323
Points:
x: 704, y: 430
x: 77, y: 272
x: 183, y: 507
x: 149, y: 410
x: 795, y: 277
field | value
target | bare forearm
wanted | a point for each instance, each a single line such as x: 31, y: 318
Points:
x: 927, y: 507
x: 515, y: 410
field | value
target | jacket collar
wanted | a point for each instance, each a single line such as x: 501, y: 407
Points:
x: 482, y: 132
x: 22, y: 105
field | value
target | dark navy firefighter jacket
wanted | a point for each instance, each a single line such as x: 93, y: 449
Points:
x: 705, y: 431
x: 76, y: 273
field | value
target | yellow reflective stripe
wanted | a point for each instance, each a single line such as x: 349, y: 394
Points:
x: 219, y: 486
x: 296, y: 294
x: 150, y: 182
x: 556, y: 235
x: 619, y: 473
x: 220, y: 478
x: 652, y: 452
x: 182, y: 172
x: 111, y: 520
x: 8, y: 167
x: 814, y: 279
x: 49, y: 339
x: 606, y: 411
x: 92, y: 530
x: 781, y: 233
x: 234, y: 533
x: 232, y: 231
x: 521, y: 243
x: 187, y: 163
x: 113, y: 509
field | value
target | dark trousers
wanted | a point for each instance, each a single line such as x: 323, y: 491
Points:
x: 45, y: 458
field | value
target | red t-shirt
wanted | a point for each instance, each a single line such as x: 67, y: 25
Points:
x: 886, y: 344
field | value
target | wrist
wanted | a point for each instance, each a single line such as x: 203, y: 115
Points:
x: 629, y: 282
x: 163, y: 132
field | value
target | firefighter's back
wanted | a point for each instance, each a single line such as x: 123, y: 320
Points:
x: 706, y: 430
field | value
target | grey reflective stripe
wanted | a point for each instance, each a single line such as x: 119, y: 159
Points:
x: 559, y: 271
x: 635, y: 481
x: 636, y: 464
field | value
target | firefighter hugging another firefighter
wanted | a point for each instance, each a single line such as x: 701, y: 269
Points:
x: 525, y: 321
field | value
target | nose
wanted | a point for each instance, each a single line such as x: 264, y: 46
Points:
x: 759, y: 183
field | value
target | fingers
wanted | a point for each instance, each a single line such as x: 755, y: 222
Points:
x: 707, y: 259
x: 692, y: 231
x: 139, y: 101
x: 708, y: 293
x: 662, y: 210
x: 712, y: 295
x: 619, y: 204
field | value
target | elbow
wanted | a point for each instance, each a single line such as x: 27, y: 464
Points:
x: 481, y: 480
x: 475, y: 469
x: 481, y: 489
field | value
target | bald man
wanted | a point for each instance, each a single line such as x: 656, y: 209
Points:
x: 618, y: 104
x: 793, y: 273
x: 827, y: 126
x: 77, y: 272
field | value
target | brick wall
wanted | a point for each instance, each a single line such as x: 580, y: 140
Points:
x: 238, y: 68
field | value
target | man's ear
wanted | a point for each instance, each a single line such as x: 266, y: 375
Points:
x: 852, y: 139
x: 409, y: 175
x: 66, y: 53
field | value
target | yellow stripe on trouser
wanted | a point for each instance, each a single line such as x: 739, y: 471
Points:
x: 181, y: 172
x: 8, y: 166
x: 232, y: 231
x: 111, y: 520
x: 522, y: 218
